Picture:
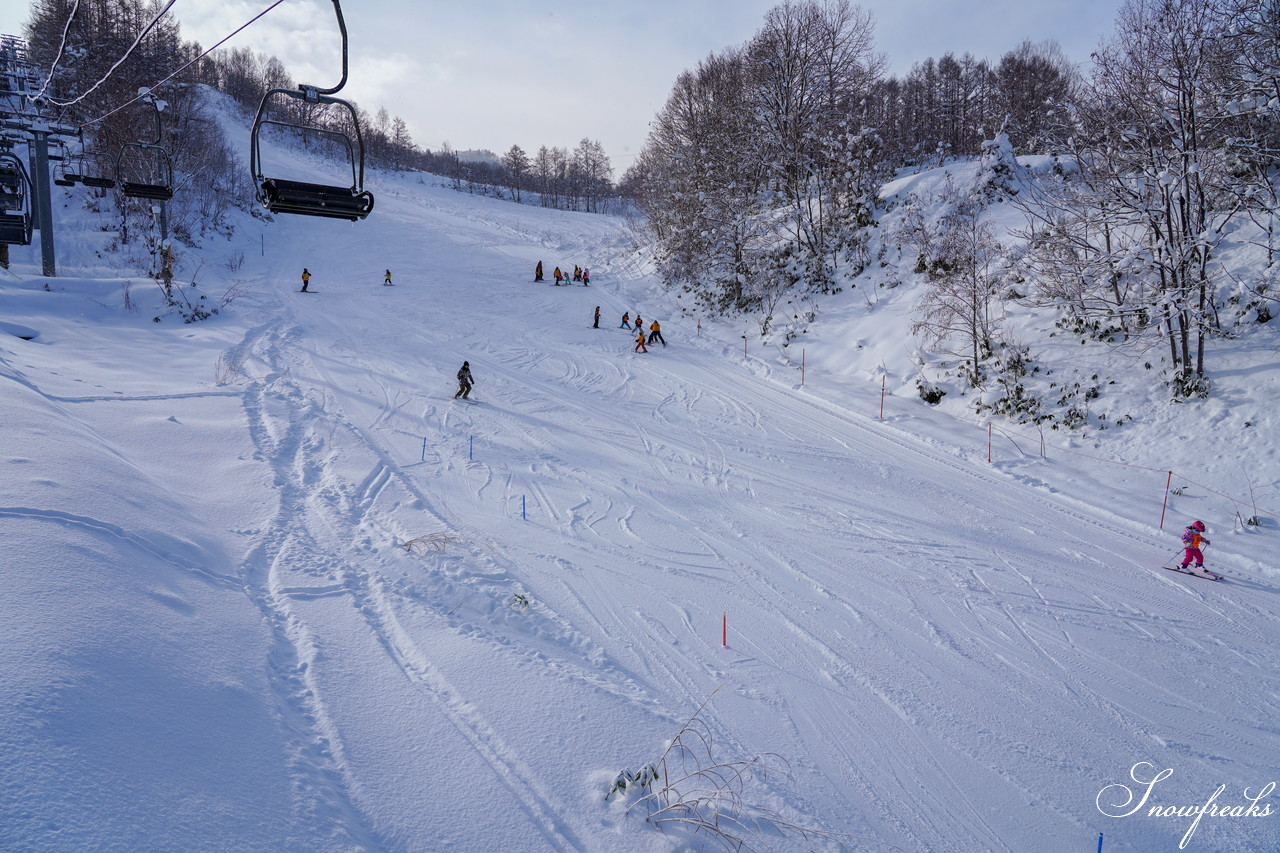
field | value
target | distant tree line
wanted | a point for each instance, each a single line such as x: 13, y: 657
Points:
x: 581, y: 179
x: 950, y: 106
x: 760, y: 175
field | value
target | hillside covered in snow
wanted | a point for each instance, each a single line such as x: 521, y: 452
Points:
x: 269, y: 587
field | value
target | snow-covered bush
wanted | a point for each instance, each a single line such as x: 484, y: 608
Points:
x: 997, y: 170
x: 689, y: 789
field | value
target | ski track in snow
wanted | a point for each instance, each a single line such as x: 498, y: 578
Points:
x: 289, y: 428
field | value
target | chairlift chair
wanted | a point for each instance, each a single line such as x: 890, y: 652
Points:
x: 15, y: 201
x: 94, y: 172
x: 68, y: 172
x: 64, y: 175
x: 144, y: 169
x: 88, y: 168
x: 279, y: 195
x: 91, y: 168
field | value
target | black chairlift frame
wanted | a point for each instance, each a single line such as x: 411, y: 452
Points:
x: 309, y: 199
x: 100, y: 181
x: 15, y: 201
x: 161, y: 190
x: 87, y: 168
x: 65, y: 175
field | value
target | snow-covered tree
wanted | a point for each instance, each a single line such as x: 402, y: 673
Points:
x: 957, y: 312
x: 1155, y: 139
x: 811, y: 65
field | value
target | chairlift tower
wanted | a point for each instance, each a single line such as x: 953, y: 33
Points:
x: 21, y: 122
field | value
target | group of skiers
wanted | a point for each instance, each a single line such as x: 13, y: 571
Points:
x: 465, y: 380
x: 581, y: 274
x: 655, y: 330
x: 306, y: 280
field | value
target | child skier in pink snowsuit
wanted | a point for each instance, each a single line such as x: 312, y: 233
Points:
x: 1192, y: 539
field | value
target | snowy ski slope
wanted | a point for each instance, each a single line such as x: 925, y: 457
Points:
x: 215, y: 639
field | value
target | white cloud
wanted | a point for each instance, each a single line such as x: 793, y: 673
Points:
x: 490, y: 73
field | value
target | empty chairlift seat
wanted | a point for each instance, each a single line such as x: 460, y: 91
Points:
x: 145, y: 171
x: 283, y: 196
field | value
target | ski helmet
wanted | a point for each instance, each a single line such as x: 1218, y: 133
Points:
x: 1197, y: 526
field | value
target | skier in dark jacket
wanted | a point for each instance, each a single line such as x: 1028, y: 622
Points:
x: 464, y: 381
x: 596, y: 323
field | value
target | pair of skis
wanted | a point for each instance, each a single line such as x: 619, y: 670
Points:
x: 1195, y: 573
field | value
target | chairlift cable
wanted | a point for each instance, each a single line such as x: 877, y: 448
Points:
x: 175, y: 73
x: 145, y: 32
x: 62, y: 46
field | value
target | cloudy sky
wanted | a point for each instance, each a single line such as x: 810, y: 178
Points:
x: 493, y: 73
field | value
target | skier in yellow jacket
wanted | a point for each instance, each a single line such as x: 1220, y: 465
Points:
x: 655, y: 333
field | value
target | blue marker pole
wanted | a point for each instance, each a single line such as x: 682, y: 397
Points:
x: 471, y: 447
x: 1099, y: 842
x: 424, y: 448
x: 522, y: 512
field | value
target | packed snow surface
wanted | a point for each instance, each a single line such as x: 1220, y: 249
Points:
x: 269, y: 587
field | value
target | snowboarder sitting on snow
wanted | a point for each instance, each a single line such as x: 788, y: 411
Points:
x: 1192, y: 539
x: 464, y: 381
x: 306, y: 278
